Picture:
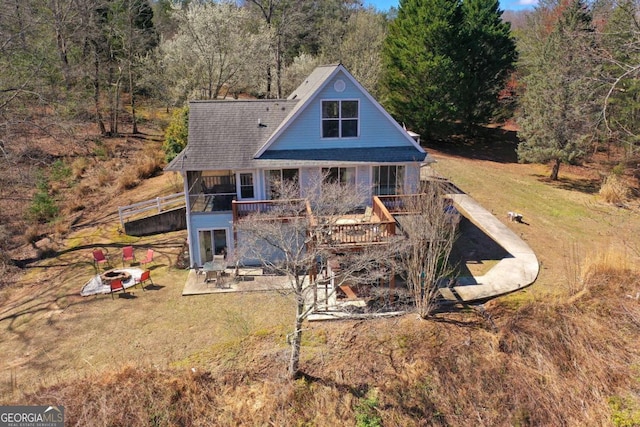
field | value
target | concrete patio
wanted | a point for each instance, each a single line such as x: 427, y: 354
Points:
x: 247, y: 280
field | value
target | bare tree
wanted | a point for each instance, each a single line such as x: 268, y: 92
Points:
x: 364, y: 60
x: 429, y: 222
x: 209, y: 55
x: 292, y: 236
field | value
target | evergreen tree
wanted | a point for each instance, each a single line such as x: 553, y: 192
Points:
x: 558, y: 108
x: 487, y: 59
x: 621, y: 69
x: 446, y: 60
x: 176, y: 134
x: 421, y: 73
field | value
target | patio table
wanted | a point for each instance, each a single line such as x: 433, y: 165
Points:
x: 213, y: 269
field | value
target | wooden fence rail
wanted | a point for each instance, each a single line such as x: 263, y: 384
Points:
x: 156, y: 205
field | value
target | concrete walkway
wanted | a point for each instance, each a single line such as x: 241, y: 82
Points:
x: 515, y: 272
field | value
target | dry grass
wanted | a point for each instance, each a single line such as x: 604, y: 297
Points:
x: 78, y: 167
x: 104, y: 177
x: 562, y: 363
x: 614, y: 190
x: 127, y: 180
x: 146, y: 166
x: 557, y: 215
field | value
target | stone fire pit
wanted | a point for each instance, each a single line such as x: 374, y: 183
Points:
x: 111, y: 275
x: 101, y: 283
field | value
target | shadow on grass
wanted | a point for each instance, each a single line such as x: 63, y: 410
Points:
x: 113, y: 252
x: 583, y: 185
x: 153, y: 287
x: 481, y: 143
x: 474, y: 246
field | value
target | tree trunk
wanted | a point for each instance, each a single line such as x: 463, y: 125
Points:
x: 96, y: 94
x: 134, y: 130
x: 133, y: 102
x: 555, y: 170
x: 269, y: 78
x: 296, y: 339
x: 278, y: 70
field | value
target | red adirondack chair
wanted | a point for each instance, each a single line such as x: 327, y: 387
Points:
x: 148, y: 259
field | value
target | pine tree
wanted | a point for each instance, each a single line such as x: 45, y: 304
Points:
x: 558, y: 108
x: 419, y: 62
x: 487, y: 59
x: 621, y: 69
x: 446, y: 60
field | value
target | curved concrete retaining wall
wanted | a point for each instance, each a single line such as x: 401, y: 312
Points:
x: 510, y: 274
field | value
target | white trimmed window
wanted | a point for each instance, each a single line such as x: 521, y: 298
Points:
x: 279, y: 178
x: 340, y: 118
x: 245, y: 184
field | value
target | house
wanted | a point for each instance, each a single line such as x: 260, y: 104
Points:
x: 329, y: 124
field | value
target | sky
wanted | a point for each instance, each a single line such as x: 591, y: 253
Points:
x: 504, y: 4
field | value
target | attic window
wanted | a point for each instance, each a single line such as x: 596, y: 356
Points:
x: 340, y: 118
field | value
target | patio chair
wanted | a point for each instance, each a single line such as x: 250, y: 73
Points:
x: 127, y: 254
x: 99, y: 257
x: 148, y: 259
x: 144, y: 277
x: 116, y: 285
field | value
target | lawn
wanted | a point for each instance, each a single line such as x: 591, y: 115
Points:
x: 48, y: 332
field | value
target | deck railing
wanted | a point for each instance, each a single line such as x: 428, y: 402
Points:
x: 211, y: 202
x: 280, y: 208
x: 349, y: 230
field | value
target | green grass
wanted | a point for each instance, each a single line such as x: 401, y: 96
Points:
x: 557, y: 216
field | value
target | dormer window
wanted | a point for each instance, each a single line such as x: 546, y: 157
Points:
x: 340, y: 119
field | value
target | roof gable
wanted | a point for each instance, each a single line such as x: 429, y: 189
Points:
x: 301, y: 129
x: 249, y: 134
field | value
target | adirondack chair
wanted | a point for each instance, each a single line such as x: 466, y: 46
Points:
x: 148, y: 259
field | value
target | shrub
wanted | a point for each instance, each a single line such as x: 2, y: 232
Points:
x: 104, y: 177
x: 618, y: 169
x: 148, y: 166
x: 61, y: 227
x: 32, y: 234
x: 175, y: 137
x: 367, y: 413
x: 128, y: 180
x: 614, y: 190
x: 83, y: 190
x: 59, y: 171
x: 43, y: 208
x: 78, y: 167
